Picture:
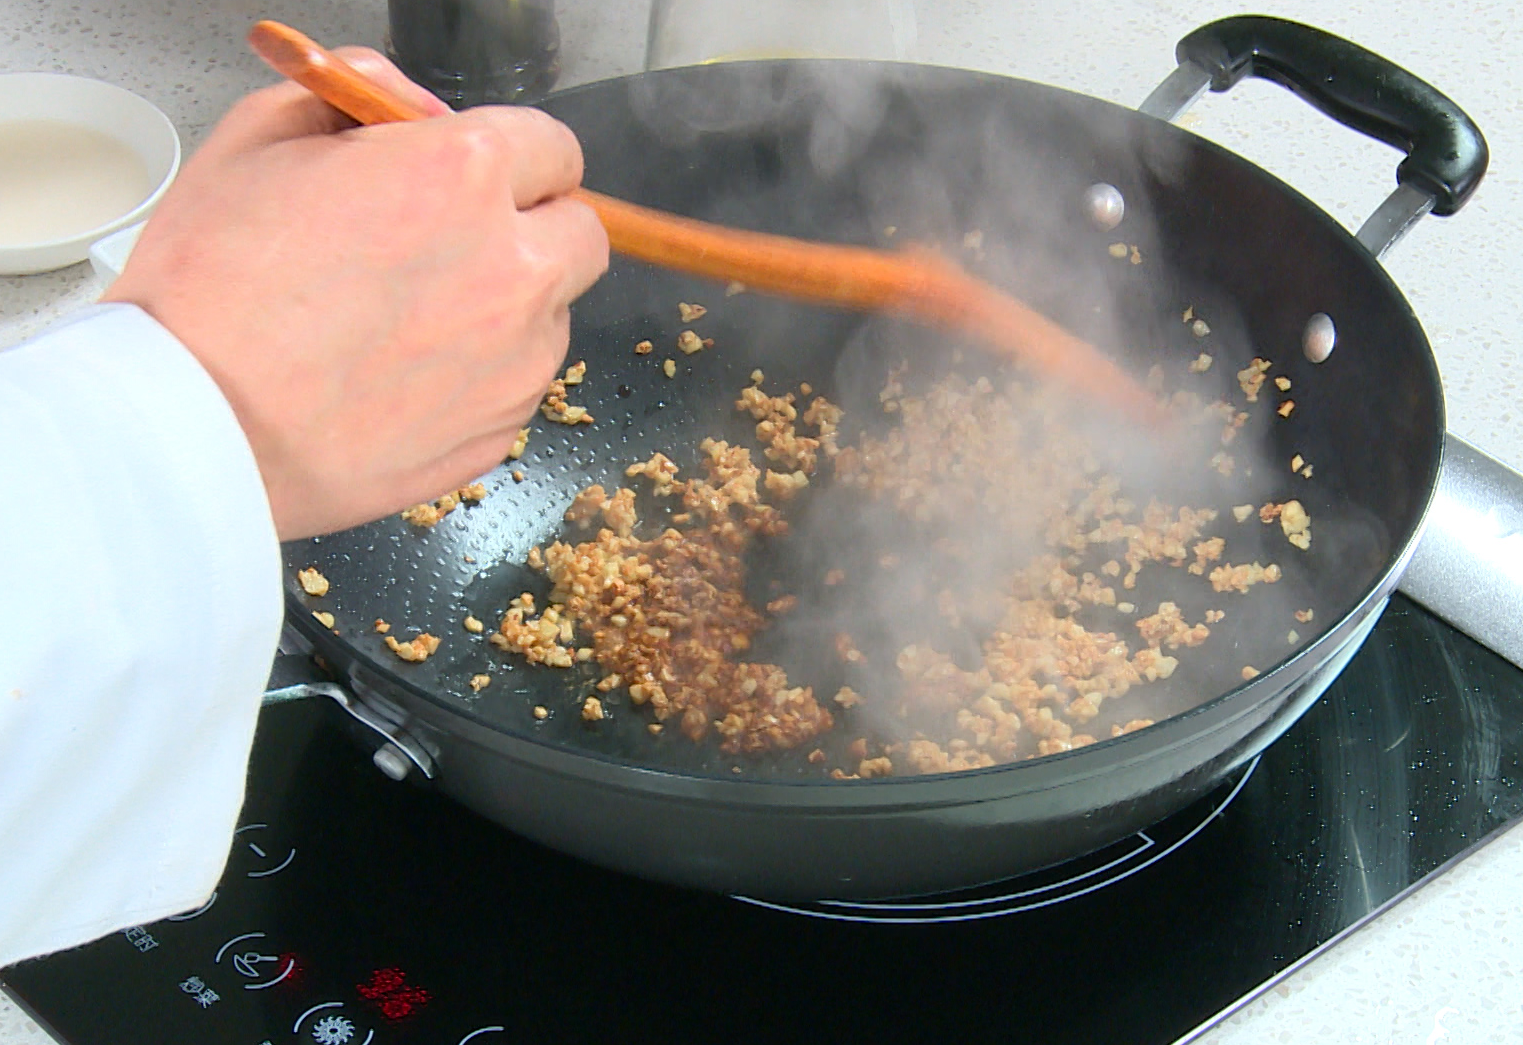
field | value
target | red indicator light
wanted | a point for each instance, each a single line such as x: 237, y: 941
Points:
x: 392, y: 994
x: 296, y: 966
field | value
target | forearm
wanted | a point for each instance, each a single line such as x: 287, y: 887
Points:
x: 139, y: 609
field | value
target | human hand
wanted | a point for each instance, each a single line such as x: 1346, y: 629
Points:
x: 384, y: 306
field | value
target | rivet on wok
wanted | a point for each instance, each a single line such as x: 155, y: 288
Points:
x: 391, y: 761
x: 1319, y: 337
x: 1105, y: 205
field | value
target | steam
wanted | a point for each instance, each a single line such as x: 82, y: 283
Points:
x: 1003, y: 189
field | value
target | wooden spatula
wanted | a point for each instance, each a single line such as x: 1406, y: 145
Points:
x: 920, y: 284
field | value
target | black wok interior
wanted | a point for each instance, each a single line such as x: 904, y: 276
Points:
x: 841, y: 151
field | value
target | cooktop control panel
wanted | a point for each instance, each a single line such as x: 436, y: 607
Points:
x: 359, y: 911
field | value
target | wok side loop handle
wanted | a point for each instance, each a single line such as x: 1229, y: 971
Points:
x: 1446, y: 153
x: 295, y: 675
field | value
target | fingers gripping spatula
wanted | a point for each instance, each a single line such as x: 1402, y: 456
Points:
x: 914, y: 283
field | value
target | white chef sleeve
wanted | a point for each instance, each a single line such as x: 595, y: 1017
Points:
x: 140, y: 606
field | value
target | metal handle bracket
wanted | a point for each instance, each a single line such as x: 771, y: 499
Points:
x: 400, y: 752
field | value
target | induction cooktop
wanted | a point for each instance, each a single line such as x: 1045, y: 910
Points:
x: 357, y: 910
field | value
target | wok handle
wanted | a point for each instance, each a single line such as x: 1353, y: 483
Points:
x: 295, y: 675
x: 1446, y: 153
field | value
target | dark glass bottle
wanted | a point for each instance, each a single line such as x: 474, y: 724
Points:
x: 474, y: 52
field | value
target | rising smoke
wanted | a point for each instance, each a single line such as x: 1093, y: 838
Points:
x: 993, y: 175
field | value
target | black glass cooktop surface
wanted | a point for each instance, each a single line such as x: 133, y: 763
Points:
x: 355, y: 910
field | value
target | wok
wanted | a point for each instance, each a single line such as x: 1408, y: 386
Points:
x: 837, y: 150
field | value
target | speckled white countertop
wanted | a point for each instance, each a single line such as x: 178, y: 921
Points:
x: 1445, y: 964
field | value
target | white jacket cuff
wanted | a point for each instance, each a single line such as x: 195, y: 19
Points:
x: 140, y: 606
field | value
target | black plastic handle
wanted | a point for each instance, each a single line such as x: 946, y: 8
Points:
x: 1446, y: 154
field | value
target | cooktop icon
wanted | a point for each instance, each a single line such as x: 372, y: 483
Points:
x: 250, y: 961
x: 198, y: 912
x: 323, y: 1024
x: 332, y: 1030
x: 270, y: 861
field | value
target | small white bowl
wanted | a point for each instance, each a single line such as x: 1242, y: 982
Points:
x: 98, y: 106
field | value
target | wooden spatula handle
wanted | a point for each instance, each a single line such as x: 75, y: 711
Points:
x: 918, y: 284
x: 298, y: 57
x: 846, y: 275
x: 851, y: 276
